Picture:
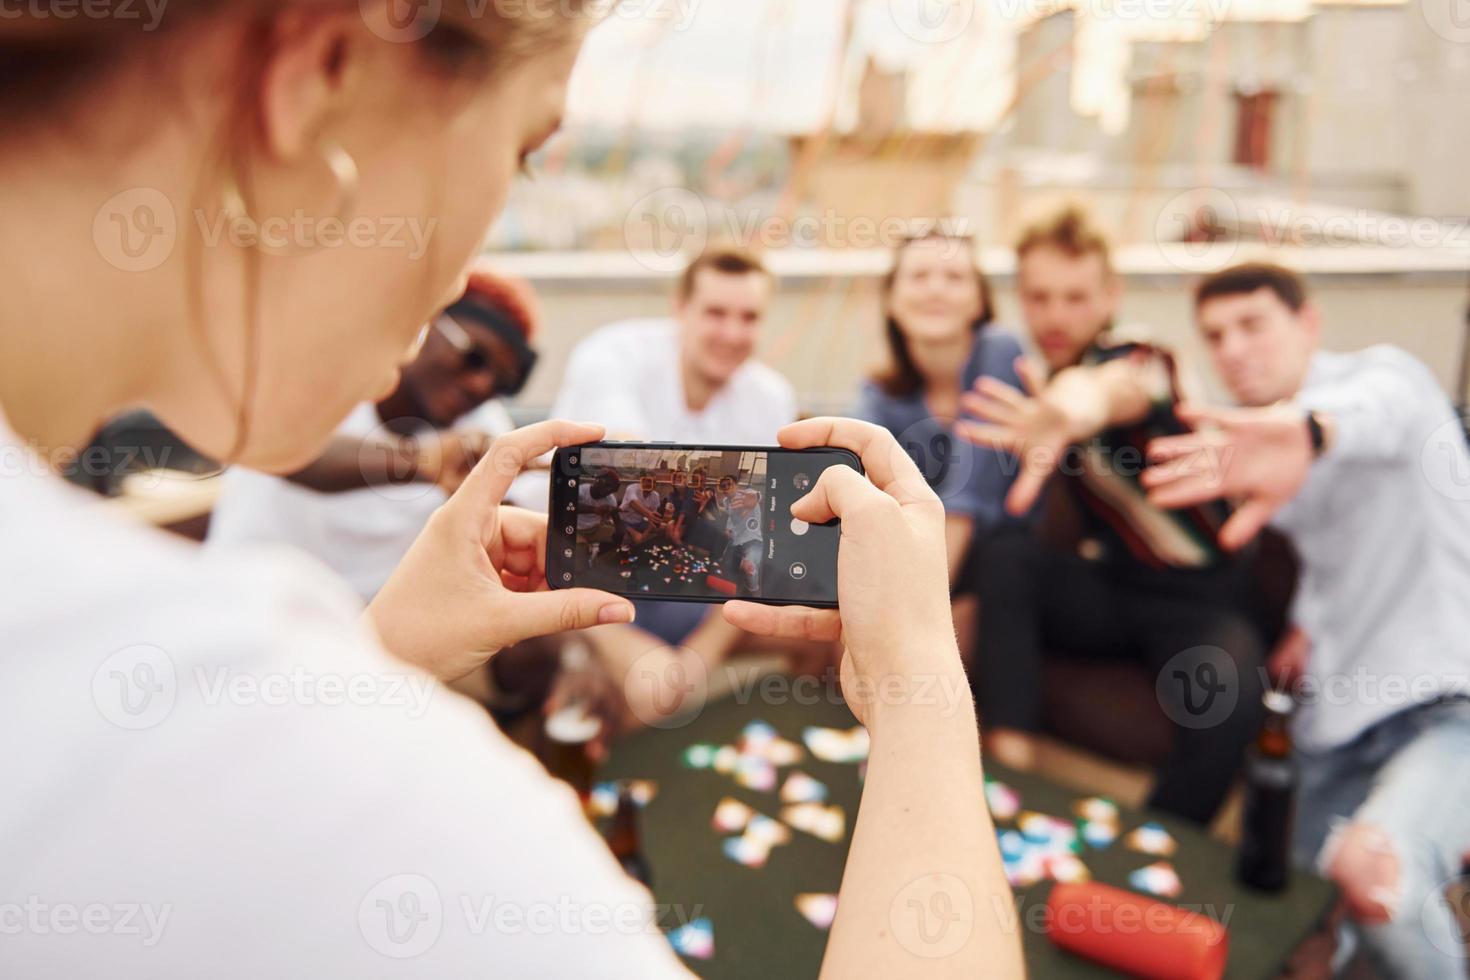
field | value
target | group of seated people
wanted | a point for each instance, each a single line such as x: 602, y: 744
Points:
x: 1095, y: 511
x: 717, y: 519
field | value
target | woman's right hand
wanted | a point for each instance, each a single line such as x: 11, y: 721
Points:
x: 892, y: 570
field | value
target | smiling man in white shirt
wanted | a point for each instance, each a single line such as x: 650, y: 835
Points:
x: 689, y: 378
x: 1361, y: 459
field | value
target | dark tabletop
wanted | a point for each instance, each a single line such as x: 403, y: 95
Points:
x: 757, y: 929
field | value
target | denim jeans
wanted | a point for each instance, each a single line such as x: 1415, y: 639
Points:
x: 1408, y: 776
x: 755, y: 552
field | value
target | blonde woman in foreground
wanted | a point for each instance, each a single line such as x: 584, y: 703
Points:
x: 239, y: 215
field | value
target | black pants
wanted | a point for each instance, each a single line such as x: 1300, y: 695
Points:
x: 1189, y: 629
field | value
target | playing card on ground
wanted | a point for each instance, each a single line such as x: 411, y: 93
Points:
x: 818, y: 908
x: 828, y: 823
x: 695, y: 939
x: 836, y: 745
x: 731, y: 815
x: 781, y: 752
x: 801, y: 788
x: 1097, y: 809
x: 701, y: 755
x: 603, y: 801
x: 1157, y: 879
x: 1099, y: 834
x: 748, y: 851
x: 1152, y: 839
x: 1003, y: 801
x: 766, y: 830
x: 756, y: 774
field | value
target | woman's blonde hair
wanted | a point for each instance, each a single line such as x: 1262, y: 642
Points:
x: 55, y: 72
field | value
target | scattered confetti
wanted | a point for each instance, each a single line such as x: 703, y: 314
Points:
x: 603, y: 800
x: 836, y: 745
x: 749, y: 852
x: 818, y: 908
x: 1157, y: 879
x: 801, y: 788
x: 828, y: 823
x: 700, y: 756
x: 1152, y: 839
x: 1099, y: 835
x: 1003, y: 801
x: 731, y: 816
x: 1097, y: 809
x: 695, y: 939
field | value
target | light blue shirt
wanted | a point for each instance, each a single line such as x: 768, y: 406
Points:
x: 1383, y: 528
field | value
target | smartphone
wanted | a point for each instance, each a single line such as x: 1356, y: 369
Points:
x: 655, y: 520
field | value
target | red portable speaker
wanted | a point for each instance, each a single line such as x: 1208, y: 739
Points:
x: 1136, y: 935
x: 721, y: 585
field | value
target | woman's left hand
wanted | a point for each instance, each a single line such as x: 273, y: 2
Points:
x: 475, y: 580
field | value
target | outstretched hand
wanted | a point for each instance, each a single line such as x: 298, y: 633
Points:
x: 1258, y: 456
x: 1025, y: 424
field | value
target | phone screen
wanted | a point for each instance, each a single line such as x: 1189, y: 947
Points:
x: 691, y: 523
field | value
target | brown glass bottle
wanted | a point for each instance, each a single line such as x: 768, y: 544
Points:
x: 626, y: 839
x: 1263, y: 860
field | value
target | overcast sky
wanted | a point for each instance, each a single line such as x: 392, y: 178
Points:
x: 772, y: 64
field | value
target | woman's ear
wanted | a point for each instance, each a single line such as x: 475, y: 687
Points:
x: 313, y: 62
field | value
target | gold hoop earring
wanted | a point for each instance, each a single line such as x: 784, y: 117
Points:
x: 341, y: 165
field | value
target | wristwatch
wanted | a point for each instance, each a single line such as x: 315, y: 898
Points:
x: 1317, y: 434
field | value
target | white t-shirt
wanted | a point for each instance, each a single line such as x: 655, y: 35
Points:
x: 361, y: 535
x: 626, y: 376
x: 649, y: 500
x: 587, y: 518
x: 213, y: 770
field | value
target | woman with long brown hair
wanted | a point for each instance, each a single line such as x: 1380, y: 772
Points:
x: 941, y: 336
x: 239, y: 216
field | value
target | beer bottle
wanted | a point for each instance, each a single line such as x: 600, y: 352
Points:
x: 626, y: 840
x: 1263, y: 860
x: 567, y: 734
